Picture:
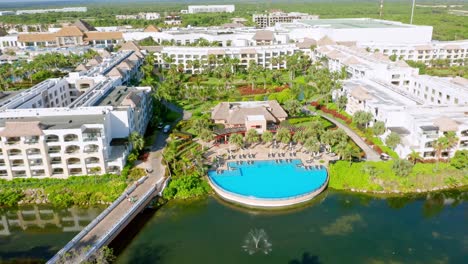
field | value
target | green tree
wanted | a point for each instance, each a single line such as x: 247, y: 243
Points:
x: 206, y: 135
x: 392, y: 140
x: 414, y: 156
x: 402, y: 167
x: 293, y: 107
x: 312, y: 144
x: 283, y: 135
x: 378, y: 128
x: 341, y: 102
x: 237, y: 140
x: 362, y: 118
x: 460, y: 160
x: 267, y: 136
x: 252, y: 136
x: 137, y: 141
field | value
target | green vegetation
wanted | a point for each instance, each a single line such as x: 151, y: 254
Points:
x: 81, y: 190
x: 460, y: 160
x: 384, y: 176
x: 185, y: 163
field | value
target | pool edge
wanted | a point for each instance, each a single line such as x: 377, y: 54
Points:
x: 267, y: 203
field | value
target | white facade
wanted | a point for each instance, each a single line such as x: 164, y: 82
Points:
x: 141, y: 15
x: 74, y: 125
x: 43, y: 11
x: 270, y: 19
x: 194, y: 9
x: 456, y: 52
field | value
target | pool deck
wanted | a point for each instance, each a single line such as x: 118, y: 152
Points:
x: 261, y: 152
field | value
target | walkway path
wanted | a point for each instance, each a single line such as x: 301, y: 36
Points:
x: 371, y: 154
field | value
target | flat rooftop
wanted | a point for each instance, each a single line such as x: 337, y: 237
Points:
x: 353, y: 23
x: 59, y: 122
x: 115, y: 97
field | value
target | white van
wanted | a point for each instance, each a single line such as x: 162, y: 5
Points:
x: 166, y: 128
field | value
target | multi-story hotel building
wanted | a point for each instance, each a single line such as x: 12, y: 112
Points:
x: 270, y: 19
x: 74, y: 125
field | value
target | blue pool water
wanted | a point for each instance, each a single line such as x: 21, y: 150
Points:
x: 269, y: 180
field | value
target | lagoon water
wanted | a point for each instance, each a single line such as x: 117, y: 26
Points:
x: 33, y: 234
x: 334, y: 228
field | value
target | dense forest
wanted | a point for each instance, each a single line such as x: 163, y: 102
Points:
x: 446, y: 26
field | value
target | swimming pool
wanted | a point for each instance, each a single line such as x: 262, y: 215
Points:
x: 269, y: 180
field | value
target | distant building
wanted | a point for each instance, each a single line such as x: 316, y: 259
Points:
x: 7, y: 13
x: 270, y: 19
x: 172, y: 20
x: 141, y: 15
x: 194, y: 9
x: 257, y: 115
x: 43, y: 11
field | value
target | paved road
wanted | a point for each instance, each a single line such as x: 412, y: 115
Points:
x: 371, y: 154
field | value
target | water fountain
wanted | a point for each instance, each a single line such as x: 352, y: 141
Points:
x: 257, y: 241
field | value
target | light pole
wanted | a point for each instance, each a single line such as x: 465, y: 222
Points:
x: 412, y: 12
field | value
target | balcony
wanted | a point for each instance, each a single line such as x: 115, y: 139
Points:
x: 56, y: 160
x: 36, y: 162
x: 3, y: 173
x: 91, y: 149
x: 38, y: 173
x: 92, y: 160
x: 52, y: 138
x: 73, y: 161
x: 13, y: 141
x: 70, y: 138
x: 72, y: 149
x: 31, y: 140
x: 57, y: 171
x: 19, y: 174
x: 53, y: 150
x: 15, y: 152
x: 90, y: 138
x: 17, y: 163
x: 76, y: 171
x: 33, y: 151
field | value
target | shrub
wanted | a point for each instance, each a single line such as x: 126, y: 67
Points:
x: 186, y: 187
x: 402, y: 167
x: 136, y: 173
x: 460, y: 160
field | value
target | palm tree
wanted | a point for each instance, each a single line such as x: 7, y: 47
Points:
x: 252, y: 136
x: 362, y: 118
x: 237, y: 140
x: 312, y: 144
x: 452, y: 140
x: 283, y: 135
x: 299, y: 137
x: 439, y: 146
x: 267, y: 136
x: 137, y: 141
x: 349, y: 152
x: 414, y: 156
x: 206, y: 135
x: 293, y: 107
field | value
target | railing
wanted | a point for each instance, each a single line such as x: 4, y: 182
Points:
x: 122, y: 220
x: 94, y: 223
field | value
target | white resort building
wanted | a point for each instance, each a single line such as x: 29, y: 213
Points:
x: 75, y: 125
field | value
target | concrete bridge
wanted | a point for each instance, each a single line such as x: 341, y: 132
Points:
x: 103, y: 229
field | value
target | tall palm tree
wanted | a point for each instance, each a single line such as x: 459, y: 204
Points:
x: 452, y: 140
x: 237, y: 140
x: 267, y: 136
x: 283, y: 135
x: 439, y: 146
x: 312, y: 144
x: 252, y: 136
x: 137, y: 141
x: 414, y: 156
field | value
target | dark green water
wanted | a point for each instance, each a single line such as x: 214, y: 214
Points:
x: 336, y: 228
x: 33, y: 234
